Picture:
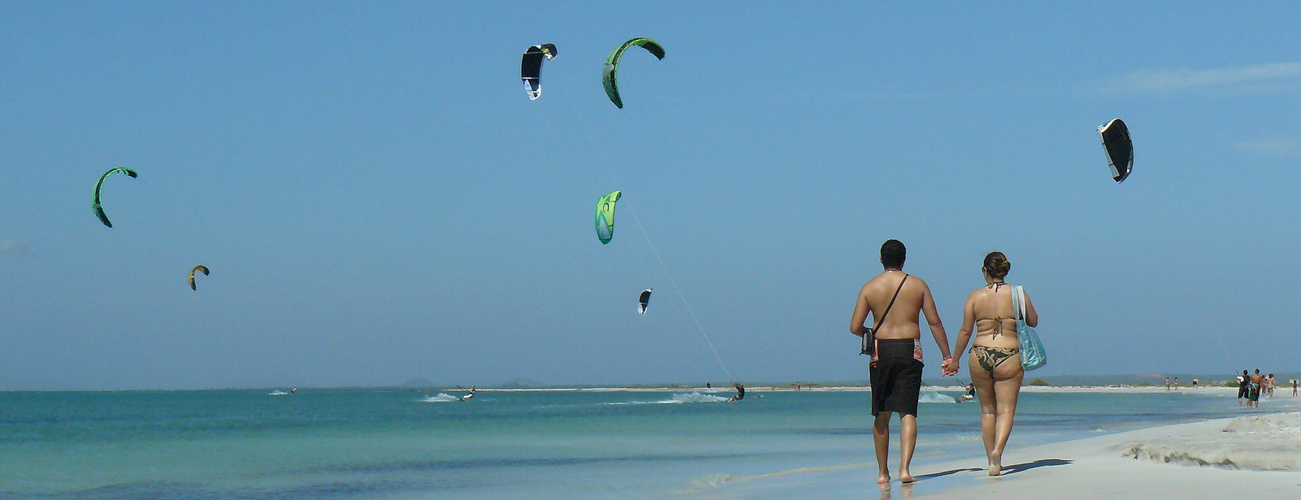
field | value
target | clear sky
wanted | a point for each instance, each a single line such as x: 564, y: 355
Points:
x: 379, y: 200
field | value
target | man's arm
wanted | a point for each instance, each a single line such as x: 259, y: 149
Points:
x: 861, y: 308
x: 937, y: 330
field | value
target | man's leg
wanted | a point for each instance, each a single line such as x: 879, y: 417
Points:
x: 881, y: 438
x: 907, y: 443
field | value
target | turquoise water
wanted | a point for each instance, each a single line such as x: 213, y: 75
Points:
x: 402, y: 444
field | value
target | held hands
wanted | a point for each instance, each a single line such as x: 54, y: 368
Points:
x: 949, y: 368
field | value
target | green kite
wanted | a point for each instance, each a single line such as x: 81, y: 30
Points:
x: 605, y: 216
x: 612, y: 65
x: 98, y: 207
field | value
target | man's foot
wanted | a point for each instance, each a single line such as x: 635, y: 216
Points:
x: 995, y: 463
x: 884, y: 479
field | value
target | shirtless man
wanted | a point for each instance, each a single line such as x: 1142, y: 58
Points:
x: 1253, y: 401
x: 896, y: 370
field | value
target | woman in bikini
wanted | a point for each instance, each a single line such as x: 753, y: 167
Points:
x: 995, y: 358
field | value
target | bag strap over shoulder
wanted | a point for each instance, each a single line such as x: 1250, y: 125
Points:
x: 1018, y: 301
x: 891, y: 306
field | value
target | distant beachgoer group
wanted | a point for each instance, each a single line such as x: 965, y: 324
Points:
x: 1251, y: 387
x: 896, y: 365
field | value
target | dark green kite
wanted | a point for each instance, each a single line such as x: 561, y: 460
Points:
x: 98, y: 207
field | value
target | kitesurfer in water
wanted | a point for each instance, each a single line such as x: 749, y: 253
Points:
x: 896, y: 369
x: 468, y: 394
x: 740, y: 394
x: 970, y: 395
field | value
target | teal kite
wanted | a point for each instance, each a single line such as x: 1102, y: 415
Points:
x: 605, y: 216
x: 98, y: 207
x: 612, y: 65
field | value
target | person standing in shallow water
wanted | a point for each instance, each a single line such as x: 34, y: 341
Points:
x: 995, y: 354
x: 896, y: 369
x: 1244, y: 383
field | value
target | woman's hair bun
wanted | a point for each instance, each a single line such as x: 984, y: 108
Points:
x: 997, y: 265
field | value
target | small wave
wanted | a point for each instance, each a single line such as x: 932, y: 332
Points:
x: 933, y: 396
x: 677, y: 399
x: 695, y: 397
x: 442, y: 397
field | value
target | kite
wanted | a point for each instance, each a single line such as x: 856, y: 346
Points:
x: 531, y: 68
x: 1120, y: 149
x: 643, y: 300
x: 605, y: 216
x: 201, y: 268
x: 612, y: 65
x: 99, y: 208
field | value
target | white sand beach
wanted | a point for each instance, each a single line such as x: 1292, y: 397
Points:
x: 1257, y: 455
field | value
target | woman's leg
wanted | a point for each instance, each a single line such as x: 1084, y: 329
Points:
x: 985, y: 393
x: 1007, y: 389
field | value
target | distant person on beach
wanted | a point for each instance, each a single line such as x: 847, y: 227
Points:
x: 1176, y: 384
x: 468, y: 394
x: 1167, y: 383
x: 995, y: 354
x: 896, y: 366
x: 1293, y: 387
x: 1253, y: 399
x: 1194, y: 383
x: 1244, y: 388
x: 1269, y: 382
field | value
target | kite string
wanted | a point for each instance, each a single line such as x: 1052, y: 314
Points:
x: 610, y: 172
x: 572, y: 161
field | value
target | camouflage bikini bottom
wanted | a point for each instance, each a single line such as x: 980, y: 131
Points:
x: 990, y: 357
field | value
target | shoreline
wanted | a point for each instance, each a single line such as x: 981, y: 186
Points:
x: 864, y: 388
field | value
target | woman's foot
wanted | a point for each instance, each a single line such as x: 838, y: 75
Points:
x: 884, y: 478
x: 995, y: 463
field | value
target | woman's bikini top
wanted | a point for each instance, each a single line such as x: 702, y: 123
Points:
x: 998, y: 320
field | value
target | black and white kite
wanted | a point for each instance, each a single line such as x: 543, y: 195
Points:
x: 643, y: 300
x: 1120, y: 149
x: 531, y: 68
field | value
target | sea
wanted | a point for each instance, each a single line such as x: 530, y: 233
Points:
x: 404, y: 444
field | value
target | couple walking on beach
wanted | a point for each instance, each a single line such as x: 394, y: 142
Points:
x: 896, y: 299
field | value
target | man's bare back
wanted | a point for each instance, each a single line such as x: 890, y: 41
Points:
x: 902, y: 322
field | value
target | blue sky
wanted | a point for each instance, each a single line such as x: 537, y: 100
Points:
x: 378, y: 199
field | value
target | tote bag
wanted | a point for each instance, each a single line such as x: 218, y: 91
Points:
x: 1033, y: 355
